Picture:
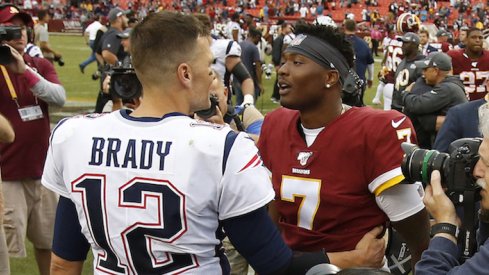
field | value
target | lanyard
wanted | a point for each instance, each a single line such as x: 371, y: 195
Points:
x: 10, y: 85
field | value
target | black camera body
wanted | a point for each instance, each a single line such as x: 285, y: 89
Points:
x: 456, y: 168
x: 8, y: 33
x: 124, y: 82
x: 207, y: 113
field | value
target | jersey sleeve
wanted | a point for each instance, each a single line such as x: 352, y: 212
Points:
x: 245, y: 184
x: 52, y: 177
x: 385, y: 151
x: 111, y: 44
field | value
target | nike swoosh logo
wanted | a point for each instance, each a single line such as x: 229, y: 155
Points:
x: 396, y: 124
x: 433, y: 92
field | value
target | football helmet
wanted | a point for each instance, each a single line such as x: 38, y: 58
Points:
x: 325, y: 20
x: 408, y: 22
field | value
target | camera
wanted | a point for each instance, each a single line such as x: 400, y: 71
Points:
x: 456, y: 167
x: 8, y: 33
x: 207, y: 113
x: 124, y: 82
x: 267, y: 69
x: 60, y: 61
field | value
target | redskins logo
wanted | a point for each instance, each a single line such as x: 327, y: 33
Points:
x: 14, y: 10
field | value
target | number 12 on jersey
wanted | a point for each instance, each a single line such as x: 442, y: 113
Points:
x: 169, y: 225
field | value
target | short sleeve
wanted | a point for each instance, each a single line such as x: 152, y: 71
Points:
x: 111, y: 43
x: 245, y: 185
x: 52, y: 177
x: 385, y: 151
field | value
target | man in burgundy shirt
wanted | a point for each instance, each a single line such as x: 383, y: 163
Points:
x: 28, y: 85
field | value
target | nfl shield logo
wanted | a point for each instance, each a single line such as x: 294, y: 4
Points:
x: 303, y: 157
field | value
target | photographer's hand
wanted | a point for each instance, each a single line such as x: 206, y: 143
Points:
x: 106, y: 85
x: 18, y: 65
x: 437, y: 203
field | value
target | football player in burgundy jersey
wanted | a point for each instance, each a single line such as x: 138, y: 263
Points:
x: 472, y: 64
x: 335, y: 169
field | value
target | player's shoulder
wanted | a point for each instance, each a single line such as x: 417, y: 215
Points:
x: 376, y: 116
x: 73, y: 126
x: 456, y: 53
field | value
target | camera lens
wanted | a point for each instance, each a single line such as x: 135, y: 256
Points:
x: 418, y: 164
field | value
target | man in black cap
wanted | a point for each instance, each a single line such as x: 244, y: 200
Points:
x: 428, y: 110
x: 112, y: 52
x: 406, y: 72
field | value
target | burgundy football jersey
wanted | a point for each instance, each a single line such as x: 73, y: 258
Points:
x: 325, y: 193
x: 473, y: 72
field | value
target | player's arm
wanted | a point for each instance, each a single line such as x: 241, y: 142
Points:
x: 237, y: 68
x: 64, y: 267
x: 267, y: 253
x: 70, y: 247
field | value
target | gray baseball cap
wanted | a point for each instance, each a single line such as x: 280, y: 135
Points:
x: 116, y: 12
x: 438, y: 59
x: 409, y: 37
x: 442, y: 32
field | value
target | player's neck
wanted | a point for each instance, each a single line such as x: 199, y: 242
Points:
x: 320, y: 116
x: 473, y: 55
x: 158, y: 106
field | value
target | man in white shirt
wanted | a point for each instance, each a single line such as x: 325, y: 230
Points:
x: 91, y: 33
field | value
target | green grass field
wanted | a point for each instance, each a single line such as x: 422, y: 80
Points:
x: 81, y: 88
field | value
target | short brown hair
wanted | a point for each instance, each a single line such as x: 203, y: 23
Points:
x: 161, y: 42
x: 425, y: 31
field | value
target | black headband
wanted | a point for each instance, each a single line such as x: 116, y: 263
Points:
x: 320, y: 52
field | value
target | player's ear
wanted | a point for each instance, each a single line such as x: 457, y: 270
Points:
x: 331, y: 78
x: 184, y: 74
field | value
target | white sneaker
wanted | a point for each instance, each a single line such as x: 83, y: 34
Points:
x: 376, y: 101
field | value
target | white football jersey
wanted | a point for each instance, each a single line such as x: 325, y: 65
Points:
x: 218, y: 48
x: 150, y: 192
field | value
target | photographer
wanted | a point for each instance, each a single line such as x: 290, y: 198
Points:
x: 442, y: 255
x: 28, y: 85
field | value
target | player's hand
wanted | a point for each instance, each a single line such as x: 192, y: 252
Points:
x: 106, y: 85
x: 437, y: 203
x: 369, y: 83
x: 370, y: 250
x: 18, y: 65
x: 409, y: 88
x: 218, y: 118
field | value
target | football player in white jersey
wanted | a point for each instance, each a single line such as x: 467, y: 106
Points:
x: 227, y: 62
x: 149, y: 190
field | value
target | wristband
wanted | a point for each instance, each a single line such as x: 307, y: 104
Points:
x: 444, y: 228
x: 248, y: 99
